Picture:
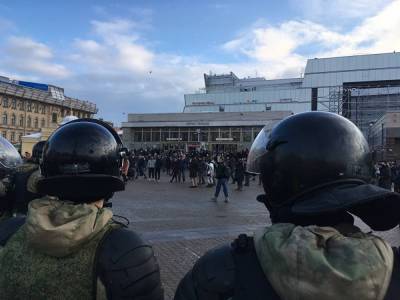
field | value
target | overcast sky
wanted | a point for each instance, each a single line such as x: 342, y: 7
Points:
x: 142, y: 56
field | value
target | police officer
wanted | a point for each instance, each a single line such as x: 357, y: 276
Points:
x: 315, y: 170
x: 70, y: 247
x: 10, y: 160
x: 26, y: 180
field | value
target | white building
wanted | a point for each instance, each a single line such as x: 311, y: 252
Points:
x: 362, y: 88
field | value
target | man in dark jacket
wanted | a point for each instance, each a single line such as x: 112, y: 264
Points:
x: 222, y: 174
x: 313, y: 187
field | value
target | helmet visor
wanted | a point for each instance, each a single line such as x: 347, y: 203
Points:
x: 9, y: 156
x: 257, y: 150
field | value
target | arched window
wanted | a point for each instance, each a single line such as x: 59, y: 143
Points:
x: 13, y: 120
x: 29, y: 122
x: 29, y: 106
x: 21, y: 120
x: 4, y: 118
x: 36, y: 122
x: 43, y: 124
x: 14, y: 103
x: 5, y: 102
x: 36, y: 107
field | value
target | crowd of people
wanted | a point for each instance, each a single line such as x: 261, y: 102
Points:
x: 198, y: 168
x: 387, y: 175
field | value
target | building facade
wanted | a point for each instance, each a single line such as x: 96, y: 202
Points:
x: 215, y: 132
x: 361, y: 88
x: 27, y: 107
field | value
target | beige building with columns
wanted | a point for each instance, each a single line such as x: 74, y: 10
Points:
x: 27, y: 107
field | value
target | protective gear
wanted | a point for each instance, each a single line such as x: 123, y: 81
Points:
x: 98, y: 258
x: 9, y: 161
x: 234, y: 272
x: 82, y: 161
x: 37, y: 152
x: 25, y: 180
x: 307, y: 150
x: 9, y: 157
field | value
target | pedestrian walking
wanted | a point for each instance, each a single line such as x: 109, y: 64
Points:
x: 151, y: 163
x: 222, y: 174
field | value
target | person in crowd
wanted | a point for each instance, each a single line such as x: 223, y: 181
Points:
x: 202, y: 171
x: 125, y: 166
x: 175, y: 170
x: 132, y: 166
x: 193, y: 171
x: 157, y: 167
x: 385, y: 180
x: 151, y: 164
x: 239, y: 174
x: 222, y: 174
x: 69, y: 246
x: 141, y: 167
x: 182, y: 167
x: 210, y: 173
x: 313, y: 249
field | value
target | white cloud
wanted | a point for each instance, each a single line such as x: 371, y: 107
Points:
x: 26, y: 55
x: 336, y: 11
x: 283, y: 49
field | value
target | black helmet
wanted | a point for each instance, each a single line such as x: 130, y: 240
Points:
x: 308, y: 150
x: 37, y: 152
x: 81, y: 162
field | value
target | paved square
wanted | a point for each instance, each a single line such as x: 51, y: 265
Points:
x: 182, y: 222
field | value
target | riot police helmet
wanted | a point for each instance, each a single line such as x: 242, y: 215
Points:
x: 81, y: 162
x: 305, y: 151
x: 37, y: 151
x: 9, y: 157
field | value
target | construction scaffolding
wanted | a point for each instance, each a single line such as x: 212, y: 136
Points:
x: 364, y: 103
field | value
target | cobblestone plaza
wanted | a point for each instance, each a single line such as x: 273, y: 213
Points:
x: 182, y: 223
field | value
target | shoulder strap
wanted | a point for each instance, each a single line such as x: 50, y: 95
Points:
x: 9, y: 227
x: 251, y: 282
x: 393, y: 291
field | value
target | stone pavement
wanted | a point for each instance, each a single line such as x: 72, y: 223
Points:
x: 182, y: 223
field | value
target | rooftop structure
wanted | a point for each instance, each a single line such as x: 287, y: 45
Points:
x: 361, y: 88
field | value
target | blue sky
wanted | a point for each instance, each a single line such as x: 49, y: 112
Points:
x: 142, y: 56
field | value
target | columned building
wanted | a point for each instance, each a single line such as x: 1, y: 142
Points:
x: 191, y: 131
x: 27, y: 107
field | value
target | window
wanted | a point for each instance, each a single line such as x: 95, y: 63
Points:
x: 13, y: 120
x: 21, y: 105
x: 14, y: 103
x: 267, y: 107
x: 54, y: 117
x: 29, y: 122
x: 4, y: 118
x: 12, y: 136
x: 20, y: 137
x: 221, y: 108
x: 21, y: 120
x: 36, y: 107
x: 43, y: 123
x: 29, y: 106
x: 4, y: 134
x: 43, y: 109
x: 36, y: 122
x: 5, y: 102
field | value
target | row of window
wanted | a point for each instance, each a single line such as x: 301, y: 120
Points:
x: 12, y: 136
x: 246, y: 134
x: 35, y: 107
x: 21, y: 121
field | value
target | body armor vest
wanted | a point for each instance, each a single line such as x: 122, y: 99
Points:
x: 28, y: 274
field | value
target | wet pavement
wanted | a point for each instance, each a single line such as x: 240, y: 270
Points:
x: 182, y: 223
